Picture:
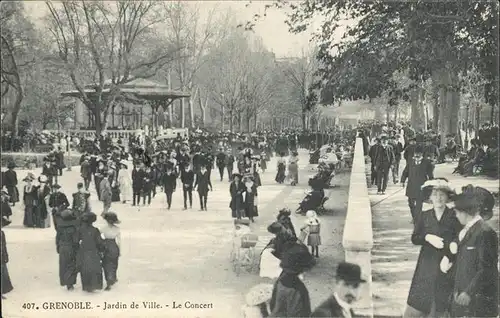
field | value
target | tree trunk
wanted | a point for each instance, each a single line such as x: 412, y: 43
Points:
x: 256, y: 125
x: 492, y: 114
x: 171, y: 106
x: 304, y: 119
x: 202, y: 109
x: 478, y: 118
x: 223, y: 117
x: 466, y: 141
x: 417, y: 111
x: 191, y: 112
x: 454, y: 111
x: 231, y: 119
x: 182, y: 118
x: 443, y: 112
x: 240, y: 122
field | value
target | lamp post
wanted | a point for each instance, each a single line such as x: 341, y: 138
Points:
x: 68, y: 123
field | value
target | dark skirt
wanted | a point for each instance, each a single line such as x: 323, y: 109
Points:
x: 6, y: 283
x: 110, y: 260
x: 263, y: 164
x: 115, y: 194
x: 13, y: 194
x: 29, y: 216
x: 89, y: 265
x: 67, y: 264
x: 251, y: 211
x: 280, y: 175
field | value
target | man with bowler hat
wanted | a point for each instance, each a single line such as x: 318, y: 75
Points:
x: 384, y: 159
x: 346, y: 291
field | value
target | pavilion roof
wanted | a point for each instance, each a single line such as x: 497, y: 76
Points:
x: 136, y: 89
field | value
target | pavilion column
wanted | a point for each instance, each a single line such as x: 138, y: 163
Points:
x: 140, y: 120
x: 122, y: 116
x: 113, y: 115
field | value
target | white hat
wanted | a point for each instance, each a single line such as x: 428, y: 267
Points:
x: 259, y: 294
x: 124, y: 163
x: 42, y: 178
x: 311, y: 214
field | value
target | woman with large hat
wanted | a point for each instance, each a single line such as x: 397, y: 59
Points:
x: 293, y: 169
x: 125, y: 182
x: 6, y: 283
x: 250, y: 201
x: 42, y: 217
x: 290, y: 297
x: 280, y: 174
x: 111, y: 235
x: 67, y: 246
x: 475, y: 285
x: 89, y: 254
x: 29, y: 200
x: 434, y: 230
x: 236, y: 190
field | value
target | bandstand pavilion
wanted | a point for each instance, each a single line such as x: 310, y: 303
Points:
x: 142, y: 103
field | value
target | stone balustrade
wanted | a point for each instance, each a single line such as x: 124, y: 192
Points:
x: 115, y: 134
x: 358, y: 233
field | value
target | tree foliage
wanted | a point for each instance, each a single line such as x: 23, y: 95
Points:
x: 419, y: 37
x: 18, y: 53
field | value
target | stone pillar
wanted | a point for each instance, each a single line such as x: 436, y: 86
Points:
x: 358, y: 233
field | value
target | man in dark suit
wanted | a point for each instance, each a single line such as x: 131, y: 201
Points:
x: 187, y: 179
x: 221, y: 162
x: 384, y: 159
x: 372, y: 153
x: 169, y: 182
x: 137, y: 182
x: 348, y: 280
x: 397, y: 147
x: 417, y: 171
x: 476, y: 266
x: 203, y: 185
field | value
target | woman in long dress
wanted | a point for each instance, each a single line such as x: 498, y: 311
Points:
x: 42, y: 216
x: 280, y: 175
x: 89, y: 254
x: 125, y: 182
x: 29, y: 200
x: 293, y: 169
x: 272, y: 253
x: 250, y: 199
x: 434, y: 230
x: 236, y: 190
x: 111, y: 236
x: 6, y: 283
x: 67, y: 246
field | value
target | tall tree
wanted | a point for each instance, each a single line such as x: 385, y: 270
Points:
x: 196, y: 36
x: 108, y: 44
x: 18, y: 52
x: 301, y: 75
x: 428, y: 39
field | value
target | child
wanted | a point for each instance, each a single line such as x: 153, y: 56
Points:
x: 111, y: 236
x: 314, y: 238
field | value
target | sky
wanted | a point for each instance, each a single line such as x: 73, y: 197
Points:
x: 272, y: 29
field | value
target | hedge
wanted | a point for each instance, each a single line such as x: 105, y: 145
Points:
x: 23, y: 160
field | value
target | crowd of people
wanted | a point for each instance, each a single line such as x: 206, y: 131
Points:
x: 457, y: 268
x: 134, y: 174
